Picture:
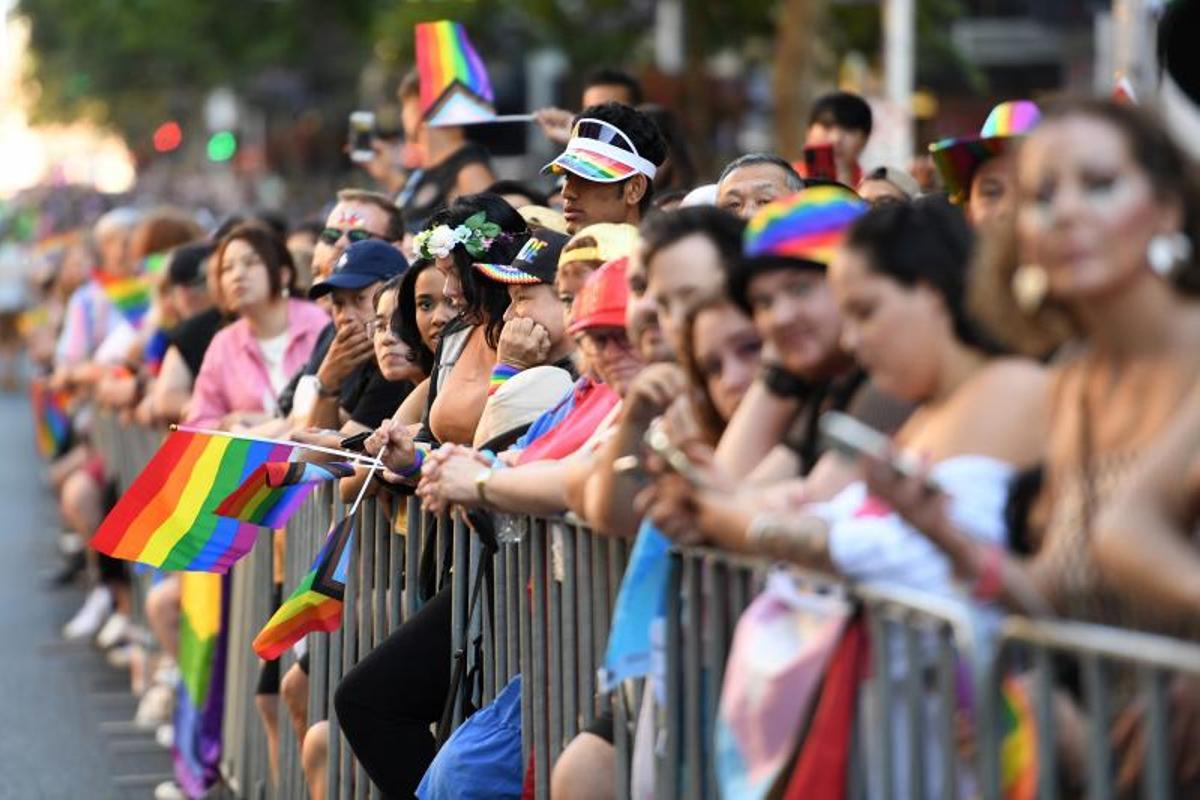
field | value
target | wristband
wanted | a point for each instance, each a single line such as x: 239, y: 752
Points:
x: 500, y: 375
x: 414, y: 469
x: 782, y: 383
x: 989, y: 583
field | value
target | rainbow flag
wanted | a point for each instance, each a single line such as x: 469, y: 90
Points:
x: 316, y: 604
x: 1018, y: 745
x: 451, y: 73
x: 130, y: 296
x: 275, y: 490
x: 52, y: 423
x: 166, y: 518
x: 154, y: 351
x: 200, y: 699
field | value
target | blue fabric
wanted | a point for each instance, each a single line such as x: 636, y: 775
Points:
x: 482, y: 759
x: 543, y: 424
x: 640, y: 601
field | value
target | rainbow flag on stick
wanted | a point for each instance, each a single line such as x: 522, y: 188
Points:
x: 275, y: 490
x: 200, y: 703
x: 455, y: 88
x: 316, y: 604
x: 130, y: 296
x: 1018, y: 747
x: 52, y: 423
x: 166, y: 518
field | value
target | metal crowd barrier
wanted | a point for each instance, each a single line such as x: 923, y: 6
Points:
x: 544, y: 608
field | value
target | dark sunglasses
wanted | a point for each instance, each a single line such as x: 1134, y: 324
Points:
x: 332, y: 235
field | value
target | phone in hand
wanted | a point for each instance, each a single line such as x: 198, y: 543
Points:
x: 819, y: 163
x: 356, y: 443
x: 853, y: 439
x: 362, y: 133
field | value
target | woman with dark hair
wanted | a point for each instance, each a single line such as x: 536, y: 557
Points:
x: 250, y: 361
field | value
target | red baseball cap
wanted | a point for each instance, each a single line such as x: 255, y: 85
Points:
x: 602, y: 300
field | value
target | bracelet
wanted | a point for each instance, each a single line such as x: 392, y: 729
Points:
x: 989, y: 583
x: 500, y: 375
x: 481, y: 481
x: 414, y: 469
x: 782, y: 383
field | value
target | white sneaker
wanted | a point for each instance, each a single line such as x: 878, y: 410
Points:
x: 155, y: 707
x: 165, y: 736
x: 114, y: 631
x: 120, y: 656
x: 90, y: 616
x: 169, y: 790
x: 167, y: 673
x: 70, y: 543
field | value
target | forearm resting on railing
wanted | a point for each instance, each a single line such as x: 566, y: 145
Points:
x: 609, y: 492
x: 759, y: 424
x: 538, y: 488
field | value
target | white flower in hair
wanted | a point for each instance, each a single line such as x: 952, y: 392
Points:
x: 442, y: 241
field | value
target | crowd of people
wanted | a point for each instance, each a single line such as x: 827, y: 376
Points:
x: 1023, y: 328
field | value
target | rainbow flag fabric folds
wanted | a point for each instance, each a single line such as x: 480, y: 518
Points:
x: 1018, y: 747
x: 200, y: 700
x: 455, y: 87
x: 316, y: 604
x: 166, y: 518
x: 274, y: 491
x: 52, y: 423
x: 130, y: 296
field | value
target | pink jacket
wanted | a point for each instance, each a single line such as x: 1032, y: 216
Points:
x: 233, y: 376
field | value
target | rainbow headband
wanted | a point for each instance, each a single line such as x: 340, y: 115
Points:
x: 808, y: 226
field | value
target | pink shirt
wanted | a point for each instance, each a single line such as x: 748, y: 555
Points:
x: 234, y: 377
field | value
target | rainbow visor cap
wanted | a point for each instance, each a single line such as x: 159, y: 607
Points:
x: 958, y: 159
x: 601, y: 152
x: 808, y: 226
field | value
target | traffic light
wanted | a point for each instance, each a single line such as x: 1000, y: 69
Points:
x: 222, y: 146
x: 168, y: 136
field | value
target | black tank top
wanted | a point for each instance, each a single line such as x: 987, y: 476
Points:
x: 428, y: 189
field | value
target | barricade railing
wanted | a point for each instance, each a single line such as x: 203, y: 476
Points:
x: 534, y: 596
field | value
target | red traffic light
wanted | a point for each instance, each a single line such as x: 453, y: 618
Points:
x: 168, y: 137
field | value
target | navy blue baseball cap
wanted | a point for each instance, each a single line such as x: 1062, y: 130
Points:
x: 362, y: 263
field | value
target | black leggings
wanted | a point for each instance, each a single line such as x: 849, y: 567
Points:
x: 387, y: 702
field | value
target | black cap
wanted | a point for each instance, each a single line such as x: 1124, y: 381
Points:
x: 537, y: 261
x: 362, y: 263
x: 186, y: 267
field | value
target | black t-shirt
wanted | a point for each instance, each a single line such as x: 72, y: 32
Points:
x: 427, y: 190
x: 369, y: 398
x: 193, y: 336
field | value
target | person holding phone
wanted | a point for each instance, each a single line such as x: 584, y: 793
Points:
x: 838, y: 129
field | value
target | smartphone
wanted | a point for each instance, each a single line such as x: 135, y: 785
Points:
x: 660, y: 443
x: 818, y: 162
x: 356, y: 443
x: 362, y: 132
x: 852, y: 438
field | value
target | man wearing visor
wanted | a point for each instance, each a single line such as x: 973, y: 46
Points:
x: 609, y: 164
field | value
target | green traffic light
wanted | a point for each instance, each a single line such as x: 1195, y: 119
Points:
x: 221, y: 146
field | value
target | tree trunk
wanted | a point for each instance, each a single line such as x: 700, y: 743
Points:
x: 792, y: 77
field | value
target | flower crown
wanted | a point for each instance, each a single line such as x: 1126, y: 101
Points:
x: 475, y: 234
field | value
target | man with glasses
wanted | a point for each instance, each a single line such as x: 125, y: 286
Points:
x: 610, y: 162
x: 357, y: 216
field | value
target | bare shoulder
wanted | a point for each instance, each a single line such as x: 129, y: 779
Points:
x: 1014, y: 375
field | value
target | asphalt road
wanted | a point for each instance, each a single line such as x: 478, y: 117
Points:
x: 62, y: 709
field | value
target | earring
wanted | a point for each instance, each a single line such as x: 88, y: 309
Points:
x: 1167, y: 251
x: 285, y: 293
x: 1029, y: 286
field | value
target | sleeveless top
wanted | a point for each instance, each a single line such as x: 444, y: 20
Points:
x: 429, y: 189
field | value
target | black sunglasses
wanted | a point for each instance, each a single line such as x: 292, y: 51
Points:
x: 332, y: 235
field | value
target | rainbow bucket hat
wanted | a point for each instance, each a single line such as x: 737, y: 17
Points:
x: 957, y: 159
x: 807, y: 226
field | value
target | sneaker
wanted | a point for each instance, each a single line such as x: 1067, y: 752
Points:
x: 155, y: 707
x: 169, y: 790
x: 167, y: 673
x: 70, y: 543
x: 90, y: 616
x: 114, y: 632
x: 120, y: 656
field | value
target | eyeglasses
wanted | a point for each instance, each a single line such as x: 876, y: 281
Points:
x: 596, y: 341
x: 333, y: 235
